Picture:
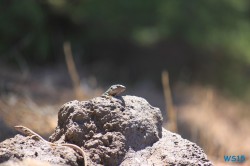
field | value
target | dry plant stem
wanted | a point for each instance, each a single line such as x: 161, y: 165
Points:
x: 26, y: 131
x: 72, y: 71
x: 172, y: 117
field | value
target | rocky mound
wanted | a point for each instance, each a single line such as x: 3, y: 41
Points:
x: 123, y: 130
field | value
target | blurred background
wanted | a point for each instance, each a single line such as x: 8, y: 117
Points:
x: 189, y: 58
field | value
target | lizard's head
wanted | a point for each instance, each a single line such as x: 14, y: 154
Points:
x: 116, y: 89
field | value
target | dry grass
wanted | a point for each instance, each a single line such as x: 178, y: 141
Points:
x: 170, y: 110
x: 20, y: 111
x: 79, y: 93
x: 219, y: 124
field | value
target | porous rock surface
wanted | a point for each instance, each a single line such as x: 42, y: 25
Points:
x: 124, y: 130
x: 20, y: 147
x: 171, y: 149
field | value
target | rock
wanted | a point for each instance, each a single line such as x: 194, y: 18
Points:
x: 171, y: 149
x: 112, y: 131
x: 20, y: 147
x: 107, y: 128
x: 27, y: 162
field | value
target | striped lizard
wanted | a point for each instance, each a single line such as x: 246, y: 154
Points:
x: 26, y: 131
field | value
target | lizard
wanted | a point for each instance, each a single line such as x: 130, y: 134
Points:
x: 114, y: 90
x: 26, y: 131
